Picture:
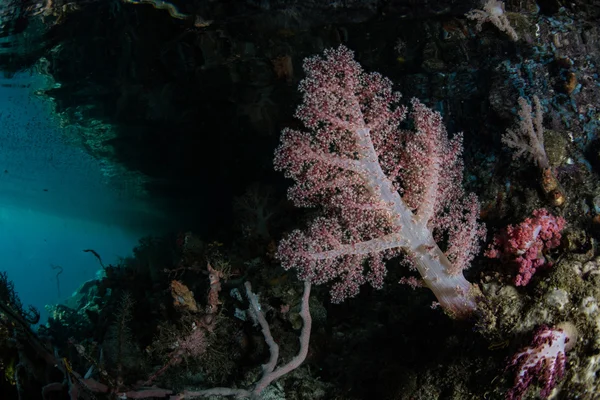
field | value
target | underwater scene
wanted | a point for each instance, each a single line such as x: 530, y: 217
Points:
x: 299, y: 200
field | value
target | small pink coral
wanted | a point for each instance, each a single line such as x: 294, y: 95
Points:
x: 526, y: 242
x: 544, y: 360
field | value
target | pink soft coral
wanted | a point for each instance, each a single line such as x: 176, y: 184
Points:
x: 526, y: 242
x: 381, y: 189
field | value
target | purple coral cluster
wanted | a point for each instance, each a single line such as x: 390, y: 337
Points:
x: 543, y: 361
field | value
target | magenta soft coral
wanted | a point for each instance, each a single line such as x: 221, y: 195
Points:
x: 526, y: 243
x: 543, y: 361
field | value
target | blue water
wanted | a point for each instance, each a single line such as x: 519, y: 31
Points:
x: 56, y: 201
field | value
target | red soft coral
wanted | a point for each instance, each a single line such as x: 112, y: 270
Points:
x: 526, y: 243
